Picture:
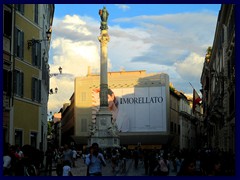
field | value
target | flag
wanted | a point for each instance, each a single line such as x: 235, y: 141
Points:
x: 196, y: 99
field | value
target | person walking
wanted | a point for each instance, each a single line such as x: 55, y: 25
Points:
x: 6, y: 160
x: 146, y: 161
x: 67, y: 169
x: 114, y: 160
x: 188, y: 167
x: 67, y: 154
x: 49, y: 158
x: 74, y: 152
x: 136, y: 157
x: 95, y: 160
x: 164, y: 165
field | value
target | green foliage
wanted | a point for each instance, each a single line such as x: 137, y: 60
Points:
x: 49, y: 128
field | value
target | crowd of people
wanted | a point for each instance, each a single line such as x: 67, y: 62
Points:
x: 159, y: 162
x: 204, y: 162
x: 21, y: 161
x: 29, y: 161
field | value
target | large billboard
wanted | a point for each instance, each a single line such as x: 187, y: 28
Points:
x: 136, y: 109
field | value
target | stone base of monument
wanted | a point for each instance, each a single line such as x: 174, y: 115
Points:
x: 106, y: 134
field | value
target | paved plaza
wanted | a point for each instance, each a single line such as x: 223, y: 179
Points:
x: 81, y: 168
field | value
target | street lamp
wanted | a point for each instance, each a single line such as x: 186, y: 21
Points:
x: 34, y: 41
x: 53, y: 92
x: 55, y: 74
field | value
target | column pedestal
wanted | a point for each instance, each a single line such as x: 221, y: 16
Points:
x: 106, y: 136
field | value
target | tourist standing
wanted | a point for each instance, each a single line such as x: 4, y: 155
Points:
x: 67, y: 154
x: 95, y: 161
x: 49, y: 158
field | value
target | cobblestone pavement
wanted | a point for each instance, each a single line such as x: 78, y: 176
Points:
x: 81, y: 169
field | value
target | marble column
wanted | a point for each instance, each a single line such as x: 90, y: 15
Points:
x: 105, y: 132
x: 103, y: 39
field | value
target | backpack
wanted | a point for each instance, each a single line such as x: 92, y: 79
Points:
x: 163, y: 166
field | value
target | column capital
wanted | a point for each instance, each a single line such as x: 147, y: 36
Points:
x: 104, y: 38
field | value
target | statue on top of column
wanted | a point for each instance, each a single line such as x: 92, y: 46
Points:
x: 104, y: 17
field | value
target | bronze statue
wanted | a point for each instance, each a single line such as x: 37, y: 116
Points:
x: 104, y: 17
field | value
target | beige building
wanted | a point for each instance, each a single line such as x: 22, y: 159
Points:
x: 84, y: 109
x: 186, y: 126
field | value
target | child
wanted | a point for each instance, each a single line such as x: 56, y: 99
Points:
x: 67, y: 168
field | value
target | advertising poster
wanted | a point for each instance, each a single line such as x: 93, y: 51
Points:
x: 136, y: 109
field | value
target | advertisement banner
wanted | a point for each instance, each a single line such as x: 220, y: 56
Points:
x: 136, y: 109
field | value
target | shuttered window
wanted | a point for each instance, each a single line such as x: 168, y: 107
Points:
x: 18, y: 83
x: 19, y: 43
x: 36, y: 89
x: 36, y: 55
x: 84, y: 125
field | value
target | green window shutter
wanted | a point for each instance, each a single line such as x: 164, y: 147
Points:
x: 33, y: 54
x: 22, y: 45
x: 22, y: 84
x: 15, y: 81
x: 33, y: 88
x: 15, y: 41
x: 39, y: 55
x: 39, y: 90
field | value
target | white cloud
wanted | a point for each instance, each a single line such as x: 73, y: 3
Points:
x: 124, y: 7
x: 173, y: 43
x: 191, y: 67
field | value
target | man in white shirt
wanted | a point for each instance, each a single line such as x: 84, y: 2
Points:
x: 95, y: 160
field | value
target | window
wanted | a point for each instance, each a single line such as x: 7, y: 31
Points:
x: 36, y: 14
x: 19, y: 43
x: 18, y: 83
x: 36, y: 89
x: 171, y: 127
x: 7, y: 81
x: 7, y: 23
x: 36, y: 55
x: 84, y: 125
x: 18, y: 137
x: 20, y: 8
x: 5, y: 134
x: 33, y: 139
x: 175, y: 127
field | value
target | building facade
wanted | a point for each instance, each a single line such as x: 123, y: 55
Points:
x: 186, y: 126
x: 218, y: 82
x: 78, y: 117
x: 26, y: 74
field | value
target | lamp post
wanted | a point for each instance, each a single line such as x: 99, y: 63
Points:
x: 35, y: 41
x: 51, y: 91
x: 56, y: 74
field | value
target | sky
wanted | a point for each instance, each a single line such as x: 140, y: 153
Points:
x: 158, y: 38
